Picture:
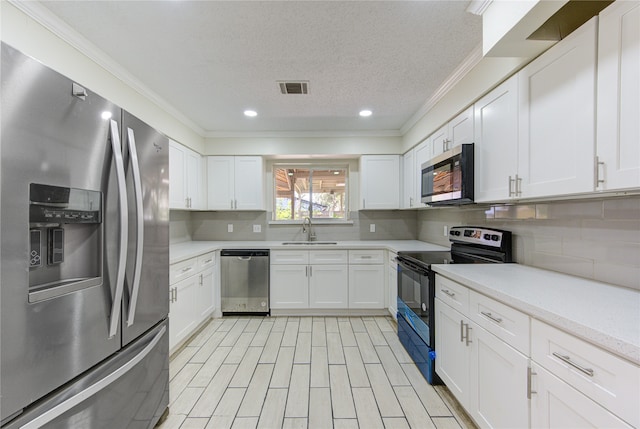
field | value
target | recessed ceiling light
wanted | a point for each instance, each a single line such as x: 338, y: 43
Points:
x: 250, y: 113
x: 365, y: 113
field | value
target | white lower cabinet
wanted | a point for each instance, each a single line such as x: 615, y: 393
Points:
x: 452, y: 361
x: 509, y: 370
x: 192, y: 296
x: 183, y: 298
x: 555, y: 404
x: 392, y: 285
x: 327, y: 279
x: 497, y: 382
x: 308, y: 279
x: 289, y: 286
x: 366, y: 286
x: 328, y: 286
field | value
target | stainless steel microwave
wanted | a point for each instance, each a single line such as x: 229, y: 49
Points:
x: 448, y: 178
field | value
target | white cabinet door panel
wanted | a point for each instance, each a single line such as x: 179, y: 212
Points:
x: 366, y: 286
x: 220, y: 170
x: 618, y: 126
x: 289, y: 286
x: 249, y: 183
x: 496, y: 138
x: 409, y: 172
x: 557, y: 113
x: 379, y: 182
x: 328, y: 286
x: 177, y: 183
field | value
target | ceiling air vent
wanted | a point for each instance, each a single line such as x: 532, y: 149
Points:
x: 294, y: 87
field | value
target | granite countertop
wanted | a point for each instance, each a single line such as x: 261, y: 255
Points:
x: 602, y: 314
x: 181, y: 251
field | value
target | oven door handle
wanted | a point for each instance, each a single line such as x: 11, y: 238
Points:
x: 412, y: 267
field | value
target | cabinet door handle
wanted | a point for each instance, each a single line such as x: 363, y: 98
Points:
x: 491, y: 316
x: 410, y: 201
x: 364, y: 205
x: 518, y: 186
x: 567, y: 359
x: 201, y: 280
x: 231, y: 204
x: 448, y: 293
x: 461, y: 330
x: 510, y: 191
x: 306, y: 271
x: 310, y: 271
x: 530, y: 375
x: 468, y: 337
x: 235, y: 204
x: 598, y: 179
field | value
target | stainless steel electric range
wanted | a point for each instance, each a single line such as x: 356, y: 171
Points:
x: 416, y: 287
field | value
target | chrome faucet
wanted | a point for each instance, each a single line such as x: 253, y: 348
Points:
x: 306, y: 227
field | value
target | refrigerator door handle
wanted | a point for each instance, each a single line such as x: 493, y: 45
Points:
x: 137, y: 186
x: 78, y: 398
x: 124, y: 231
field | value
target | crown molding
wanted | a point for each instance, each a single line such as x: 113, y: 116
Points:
x: 458, y: 74
x: 36, y: 11
x: 302, y: 134
x: 478, y: 7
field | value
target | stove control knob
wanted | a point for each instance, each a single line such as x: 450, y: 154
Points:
x: 495, y: 237
x: 487, y: 237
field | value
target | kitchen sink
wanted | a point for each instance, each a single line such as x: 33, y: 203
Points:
x: 307, y: 243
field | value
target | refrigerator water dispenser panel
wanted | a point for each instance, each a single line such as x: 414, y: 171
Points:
x: 65, y: 234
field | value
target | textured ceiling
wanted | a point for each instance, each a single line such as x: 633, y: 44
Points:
x: 211, y: 60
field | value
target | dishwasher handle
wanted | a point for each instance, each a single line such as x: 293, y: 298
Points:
x: 243, y: 253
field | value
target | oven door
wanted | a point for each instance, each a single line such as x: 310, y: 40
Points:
x: 415, y: 299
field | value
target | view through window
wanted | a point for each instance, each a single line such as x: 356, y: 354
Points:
x: 315, y: 192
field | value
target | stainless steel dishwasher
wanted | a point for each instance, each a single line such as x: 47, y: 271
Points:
x: 245, y: 281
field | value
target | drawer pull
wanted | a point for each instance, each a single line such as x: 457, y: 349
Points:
x: 568, y: 360
x: 366, y: 256
x: 184, y: 270
x: 207, y: 261
x: 448, y: 293
x: 492, y: 317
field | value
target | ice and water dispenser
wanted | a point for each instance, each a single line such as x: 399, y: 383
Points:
x: 65, y: 231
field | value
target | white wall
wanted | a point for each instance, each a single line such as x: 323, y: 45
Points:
x: 303, y: 145
x: 28, y: 36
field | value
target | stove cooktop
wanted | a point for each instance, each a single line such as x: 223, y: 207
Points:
x: 428, y: 258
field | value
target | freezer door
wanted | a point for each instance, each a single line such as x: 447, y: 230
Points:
x: 56, y: 314
x: 146, y: 295
x: 129, y: 390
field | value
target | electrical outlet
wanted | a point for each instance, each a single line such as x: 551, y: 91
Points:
x: 372, y: 227
x: 257, y: 228
x: 230, y: 227
x: 445, y: 231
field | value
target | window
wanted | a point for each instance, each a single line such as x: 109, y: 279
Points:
x: 315, y: 192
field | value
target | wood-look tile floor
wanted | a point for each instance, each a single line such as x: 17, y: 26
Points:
x: 303, y: 372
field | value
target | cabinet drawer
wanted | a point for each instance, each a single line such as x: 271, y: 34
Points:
x: 506, y: 323
x: 392, y: 257
x: 607, y: 379
x: 207, y: 260
x: 452, y: 293
x: 366, y: 256
x: 289, y: 257
x: 182, y: 270
x: 327, y: 257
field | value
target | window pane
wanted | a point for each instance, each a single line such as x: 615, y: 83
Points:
x: 329, y: 194
x: 317, y: 193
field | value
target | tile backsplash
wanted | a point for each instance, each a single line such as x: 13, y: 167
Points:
x: 595, y: 239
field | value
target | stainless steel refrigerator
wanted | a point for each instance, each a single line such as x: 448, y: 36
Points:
x: 84, y: 257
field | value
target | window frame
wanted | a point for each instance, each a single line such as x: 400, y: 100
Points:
x: 311, y: 167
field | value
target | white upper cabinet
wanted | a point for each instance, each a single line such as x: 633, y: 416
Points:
x: 379, y: 182
x: 409, y: 172
x: 235, y: 183
x: 185, y: 178
x: 496, y: 138
x: 457, y: 131
x: 424, y: 152
x: 618, y: 109
x: 557, y: 117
